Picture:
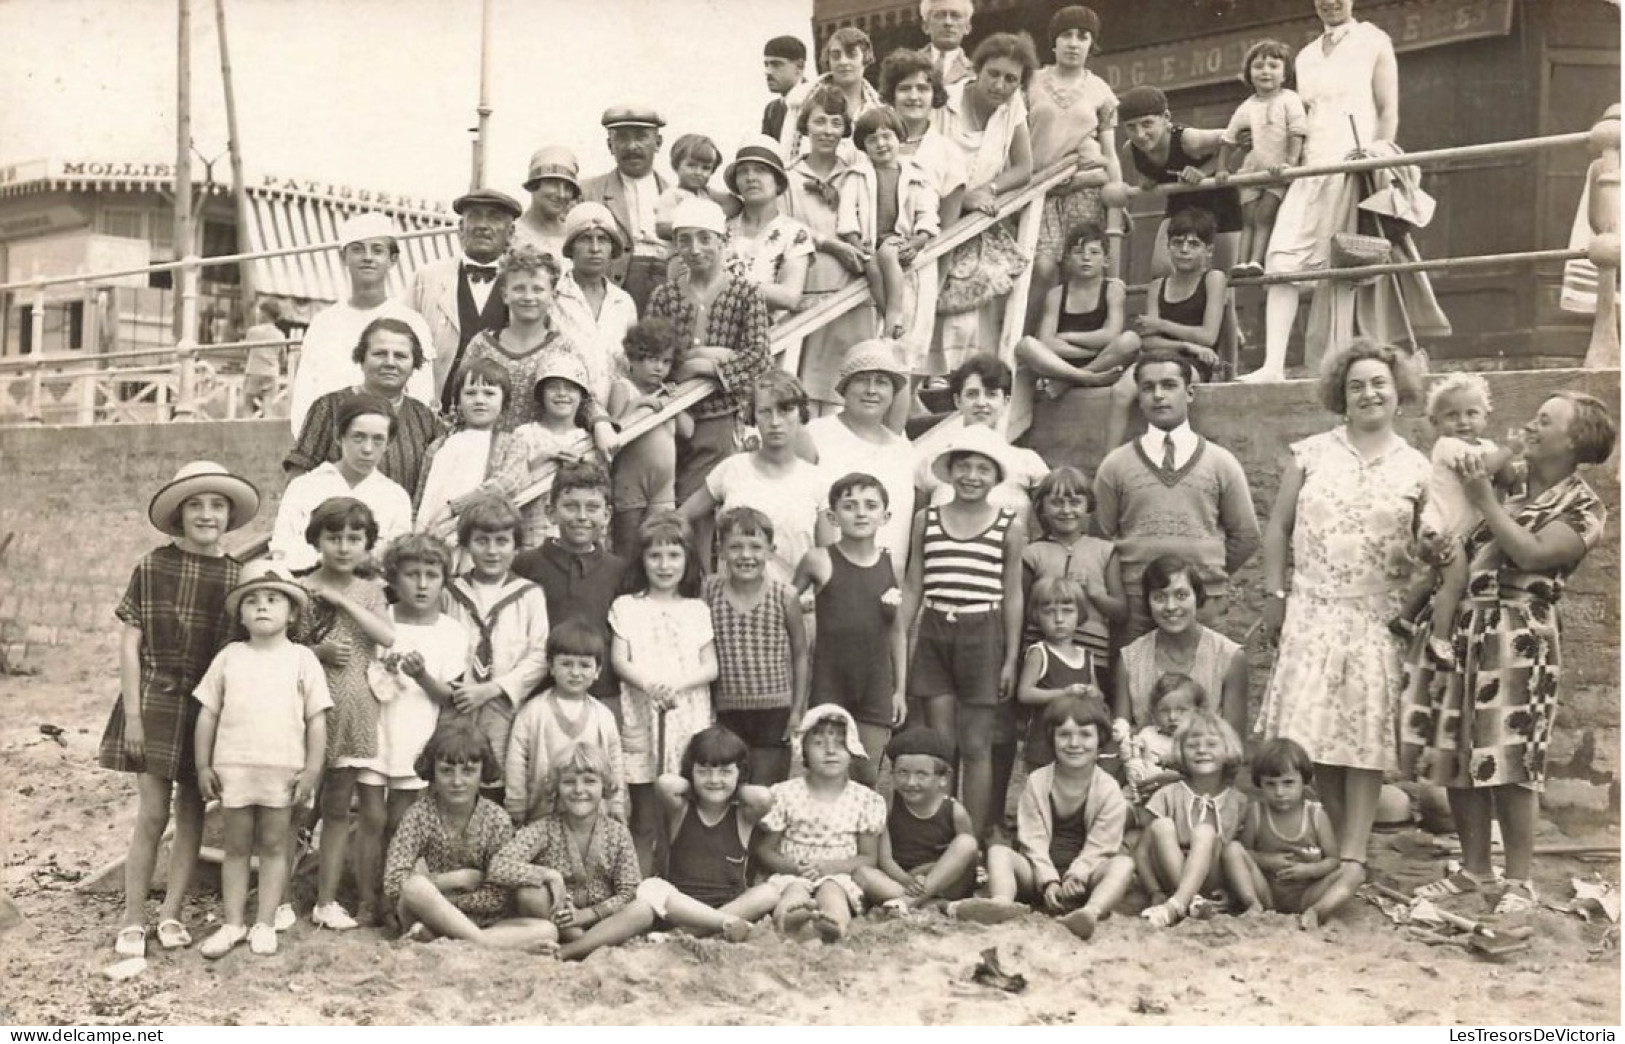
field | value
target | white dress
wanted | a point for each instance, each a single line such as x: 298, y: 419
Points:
x: 665, y: 637
x: 1334, y: 87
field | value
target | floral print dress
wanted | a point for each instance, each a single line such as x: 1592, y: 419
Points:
x: 1337, y: 679
x: 1488, y: 723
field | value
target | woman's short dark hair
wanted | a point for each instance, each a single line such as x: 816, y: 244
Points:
x: 846, y: 38
x: 899, y: 66
x: 1592, y: 428
x: 831, y: 101
x: 337, y: 514
x: 1161, y: 572
x: 1402, y: 363
x: 1018, y: 47
x: 388, y: 324
x: 990, y: 368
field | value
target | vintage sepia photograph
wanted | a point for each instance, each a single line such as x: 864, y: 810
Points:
x: 809, y: 512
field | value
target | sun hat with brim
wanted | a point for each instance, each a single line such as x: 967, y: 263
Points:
x: 362, y: 227
x: 877, y: 355
x: 832, y: 712
x: 973, y: 438
x: 262, y: 572
x: 556, y: 162
x: 565, y: 366
x: 203, y: 476
x: 588, y: 217
x: 699, y: 214
x: 759, y: 148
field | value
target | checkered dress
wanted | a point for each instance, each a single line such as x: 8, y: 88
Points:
x: 178, y: 600
x: 753, y: 648
x: 737, y: 320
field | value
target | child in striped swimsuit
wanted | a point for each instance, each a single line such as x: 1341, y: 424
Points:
x: 967, y: 590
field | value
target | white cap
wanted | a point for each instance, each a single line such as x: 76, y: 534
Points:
x: 362, y: 227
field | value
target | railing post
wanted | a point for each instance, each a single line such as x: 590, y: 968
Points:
x: 186, y: 344
x: 36, y: 339
x: 1603, y: 250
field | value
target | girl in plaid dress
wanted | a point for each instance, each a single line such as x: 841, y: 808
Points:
x: 174, y: 622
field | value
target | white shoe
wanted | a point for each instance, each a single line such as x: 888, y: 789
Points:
x: 221, y: 942
x: 1262, y: 375
x: 284, y: 918
x: 333, y: 916
x: 262, y: 939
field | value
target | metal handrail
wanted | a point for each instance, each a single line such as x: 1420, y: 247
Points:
x: 26, y: 362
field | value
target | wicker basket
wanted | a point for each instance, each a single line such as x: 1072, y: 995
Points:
x: 1356, y: 249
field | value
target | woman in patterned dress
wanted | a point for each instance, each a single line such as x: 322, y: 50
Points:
x: 1345, y: 505
x: 1483, y: 729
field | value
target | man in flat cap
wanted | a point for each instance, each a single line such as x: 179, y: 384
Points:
x: 368, y: 251
x: 946, y: 22
x: 457, y: 296
x: 630, y: 191
x: 784, y: 61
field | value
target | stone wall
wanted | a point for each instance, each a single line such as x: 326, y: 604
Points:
x: 1257, y: 423
x: 73, y: 505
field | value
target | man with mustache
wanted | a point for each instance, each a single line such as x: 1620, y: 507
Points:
x: 630, y: 192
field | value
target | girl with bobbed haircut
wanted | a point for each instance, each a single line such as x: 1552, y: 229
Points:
x: 387, y: 324
x: 337, y: 514
x: 1205, y: 721
x: 458, y: 742
x: 1018, y: 47
x: 715, y: 747
x: 582, y: 758
x: 1407, y: 370
x: 1591, y: 429
x: 993, y: 371
x: 491, y: 513
x: 827, y: 99
x: 899, y: 66
x: 418, y: 547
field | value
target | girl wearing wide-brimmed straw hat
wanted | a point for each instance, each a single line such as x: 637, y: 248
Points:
x: 174, y: 621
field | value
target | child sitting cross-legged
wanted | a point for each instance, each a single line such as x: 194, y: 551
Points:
x: 566, y: 714
x: 822, y: 828
x: 436, y: 872
x: 576, y: 865
x: 1069, y: 828
x: 1193, y: 820
x: 928, y: 852
x: 1286, y: 856
x: 709, y: 812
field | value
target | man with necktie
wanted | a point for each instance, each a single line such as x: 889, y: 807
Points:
x: 458, y: 296
x: 946, y: 23
x: 630, y: 191
x: 1171, y: 491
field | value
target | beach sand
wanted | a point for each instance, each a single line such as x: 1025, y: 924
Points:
x: 62, y: 818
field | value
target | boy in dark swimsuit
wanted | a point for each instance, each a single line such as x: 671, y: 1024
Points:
x: 1163, y: 152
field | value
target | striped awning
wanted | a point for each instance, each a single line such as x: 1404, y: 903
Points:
x: 279, y: 220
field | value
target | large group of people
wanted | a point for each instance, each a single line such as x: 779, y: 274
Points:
x: 571, y: 685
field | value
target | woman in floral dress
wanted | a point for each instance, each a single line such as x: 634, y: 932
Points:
x: 1483, y: 729
x: 765, y: 245
x: 1346, y: 504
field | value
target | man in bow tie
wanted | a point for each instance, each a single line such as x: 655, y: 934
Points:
x: 458, y: 295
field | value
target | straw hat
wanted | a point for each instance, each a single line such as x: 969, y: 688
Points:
x: 877, y: 355
x: 553, y: 161
x: 564, y: 365
x: 758, y: 148
x: 203, y: 476
x: 262, y: 572
x: 974, y: 438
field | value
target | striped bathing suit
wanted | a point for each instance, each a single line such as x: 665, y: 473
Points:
x: 964, y: 575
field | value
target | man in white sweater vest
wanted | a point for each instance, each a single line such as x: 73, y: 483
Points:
x: 1171, y: 491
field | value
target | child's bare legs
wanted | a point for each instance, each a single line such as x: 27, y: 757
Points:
x: 271, y: 844
x: 645, y: 825
x: 422, y: 902
x: 954, y: 865
x: 1260, y: 224
x: 891, y: 278
x: 874, y: 274
x: 1245, y: 880
x: 1184, y: 872
x: 1446, y: 599
x: 1350, y: 797
x: 1009, y: 874
x: 239, y: 846
x: 794, y: 908
x: 874, y: 739
x: 337, y: 790
x: 629, y: 922
x: 1124, y: 396
x: 974, y: 741
x: 372, y: 817
x: 832, y: 913
x: 152, y: 817
x: 1316, y: 906
x: 1246, y: 247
